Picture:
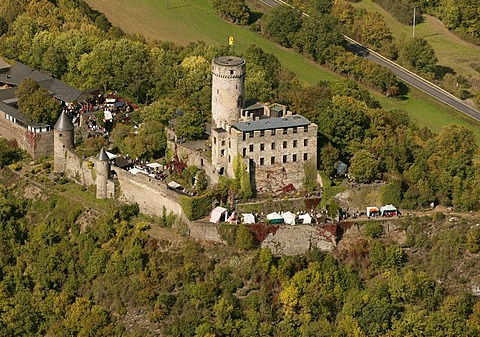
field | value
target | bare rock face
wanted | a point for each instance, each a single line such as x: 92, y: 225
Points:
x: 298, y: 239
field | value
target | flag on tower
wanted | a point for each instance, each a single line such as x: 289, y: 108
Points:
x: 230, y: 40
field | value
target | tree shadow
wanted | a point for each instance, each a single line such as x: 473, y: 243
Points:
x: 403, y: 91
x: 440, y: 71
x: 254, y: 17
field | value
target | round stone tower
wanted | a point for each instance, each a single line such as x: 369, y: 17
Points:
x: 228, y: 90
x: 102, y: 167
x: 63, y: 135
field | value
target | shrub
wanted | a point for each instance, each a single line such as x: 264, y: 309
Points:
x: 373, y: 229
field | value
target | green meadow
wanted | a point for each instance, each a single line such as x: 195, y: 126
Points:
x: 451, y: 51
x: 185, y: 21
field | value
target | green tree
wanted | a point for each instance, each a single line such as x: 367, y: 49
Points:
x: 281, y: 24
x: 418, y: 55
x: 309, y: 181
x: 244, y: 239
x: 190, y: 126
x: 37, y: 103
x: 236, y: 11
x: 364, y: 167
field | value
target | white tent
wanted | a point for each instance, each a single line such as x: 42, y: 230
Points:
x: 216, y: 215
x: 307, y: 219
x: 372, y: 211
x: 388, y: 210
x: 248, y: 218
x: 111, y: 155
x: 174, y: 185
x: 275, y: 218
x: 289, y: 218
x: 108, y: 115
x: 135, y: 171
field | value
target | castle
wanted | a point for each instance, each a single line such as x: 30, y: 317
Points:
x: 274, y: 143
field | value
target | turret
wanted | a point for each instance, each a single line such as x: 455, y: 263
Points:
x: 228, y: 90
x: 103, y: 171
x: 63, y: 140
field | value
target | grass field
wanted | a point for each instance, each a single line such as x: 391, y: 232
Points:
x: 184, y: 21
x: 451, y: 51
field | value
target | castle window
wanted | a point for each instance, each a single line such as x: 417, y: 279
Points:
x: 305, y: 142
x: 244, y: 136
x: 262, y: 147
x: 284, y: 144
x: 214, y: 140
x: 223, y: 143
x: 262, y: 161
x: 218, y: 91
x: 229, y: 144
x: 222, y: 153
x: 305, y: 128
x: 285, y: 131
x: 231, y: 72
x: 244, y: 152
x: 229, y: 158
x: 251, y: 148
x: 273, y: 146
x: 284, y: 159
x: 295, y: 143
x: 273, y: 132
x: 295, y: 129
x: 305, y: 157
x: 262, y: 133
x: 250, y: 134
x: 294, y: 157
x: 272, y: 160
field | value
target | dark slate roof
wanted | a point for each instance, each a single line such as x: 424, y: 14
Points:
x: 255, y: 106
x: 60, y: 90
x: 7, y: 94
x: 63, y: 123
x: 102, y: 156
x: 19, y: 116
x: 19, y: 72
x: 3, y: 65
x: 273, y: 123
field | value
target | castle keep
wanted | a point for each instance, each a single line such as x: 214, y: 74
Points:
x: 273, y: 142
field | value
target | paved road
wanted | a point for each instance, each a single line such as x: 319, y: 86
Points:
x: 404, y: 74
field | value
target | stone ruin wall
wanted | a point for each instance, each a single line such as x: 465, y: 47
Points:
x: 37, y: 145
x: 150, y: 194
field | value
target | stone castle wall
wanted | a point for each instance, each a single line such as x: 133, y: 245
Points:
x: 150, y: 194
x: 37, y: 145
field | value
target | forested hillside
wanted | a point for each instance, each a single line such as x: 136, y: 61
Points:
x: 73, y: 266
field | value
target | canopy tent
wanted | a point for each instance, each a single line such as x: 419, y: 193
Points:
x: 111, y: 155
x: 307, y: 219
x: 108, y: 115
x: 248, y: 218
x: 388, y: 210
x: 216, y: 215
x: 156, y: 166
x: 135, y: 171
x: 233, y: 219
x: 275, y: 218
x: 174, y: 185
x: 289, y: 218
x: 373, y: 211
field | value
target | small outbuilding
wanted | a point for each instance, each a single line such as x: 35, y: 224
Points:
x: 340, y: 169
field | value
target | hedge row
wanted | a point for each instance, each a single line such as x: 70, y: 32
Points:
x: 197, y: 207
